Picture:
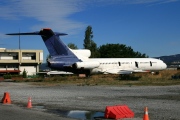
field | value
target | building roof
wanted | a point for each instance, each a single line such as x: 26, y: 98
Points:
x: 9, y: 71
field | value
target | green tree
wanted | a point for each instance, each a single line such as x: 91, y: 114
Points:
x: 119, y: 51
x: 89, y: 43
x: 88, y: 37
x: 72, y: 46
x: 24, y: 74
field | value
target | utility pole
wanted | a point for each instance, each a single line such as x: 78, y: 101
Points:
x: 19, y: 40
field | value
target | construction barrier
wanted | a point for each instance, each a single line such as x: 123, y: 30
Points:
x: 118, y: 112
x: 6, y: 99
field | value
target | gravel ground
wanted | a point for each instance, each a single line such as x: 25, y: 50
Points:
x: 163, y: 102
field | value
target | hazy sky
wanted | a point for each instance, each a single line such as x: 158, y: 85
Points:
x: 148, y: 26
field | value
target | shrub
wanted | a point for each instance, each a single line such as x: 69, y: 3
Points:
x: 24, y: 74
x: 8, y: 76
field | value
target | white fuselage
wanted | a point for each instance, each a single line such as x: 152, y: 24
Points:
x: 117, y: 65
x: 127, y: 65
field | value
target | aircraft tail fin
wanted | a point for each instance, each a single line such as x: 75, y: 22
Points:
x: 52, y: 41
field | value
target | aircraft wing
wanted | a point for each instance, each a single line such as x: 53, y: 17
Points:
x: 141, y: 71
x: 122, y: 71
x: 119, y: 71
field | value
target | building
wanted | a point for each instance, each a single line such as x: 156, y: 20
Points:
x: 16, y: 61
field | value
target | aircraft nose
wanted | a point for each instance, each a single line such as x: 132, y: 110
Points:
x: 164, y: 65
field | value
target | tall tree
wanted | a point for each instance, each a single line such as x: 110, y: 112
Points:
x: 88, y: 37
x: 89, y: 43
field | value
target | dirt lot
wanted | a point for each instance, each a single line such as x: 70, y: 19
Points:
x: 163, y: 102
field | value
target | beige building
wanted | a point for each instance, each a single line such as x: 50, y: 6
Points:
x: 16, y: 61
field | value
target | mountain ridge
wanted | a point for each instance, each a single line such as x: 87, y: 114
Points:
x: 170, y: 59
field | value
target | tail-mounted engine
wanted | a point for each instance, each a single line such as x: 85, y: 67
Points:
x: 48, y: 62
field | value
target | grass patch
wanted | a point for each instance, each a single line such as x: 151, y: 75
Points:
x: 137, y: 79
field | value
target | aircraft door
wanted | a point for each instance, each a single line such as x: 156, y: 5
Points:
x: 124, y: 65
x: 136, y: 64
x: 153, y: 65
x: 150, y: 63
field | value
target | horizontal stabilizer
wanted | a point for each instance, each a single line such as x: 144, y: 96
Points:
x: 29, y: 33
x: 43, y: 32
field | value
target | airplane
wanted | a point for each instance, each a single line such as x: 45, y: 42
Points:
x: 78, y: 62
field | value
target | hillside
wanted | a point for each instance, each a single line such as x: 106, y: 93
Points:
x: 171, y: 60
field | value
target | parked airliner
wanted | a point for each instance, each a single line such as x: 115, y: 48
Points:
x: 78, y: 62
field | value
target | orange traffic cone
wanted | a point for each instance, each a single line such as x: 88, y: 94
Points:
x: 146, y: 116
x: 6, y: 99
x: 29, y: 105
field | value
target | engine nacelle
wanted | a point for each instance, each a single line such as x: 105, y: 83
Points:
x: 87, y: 65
